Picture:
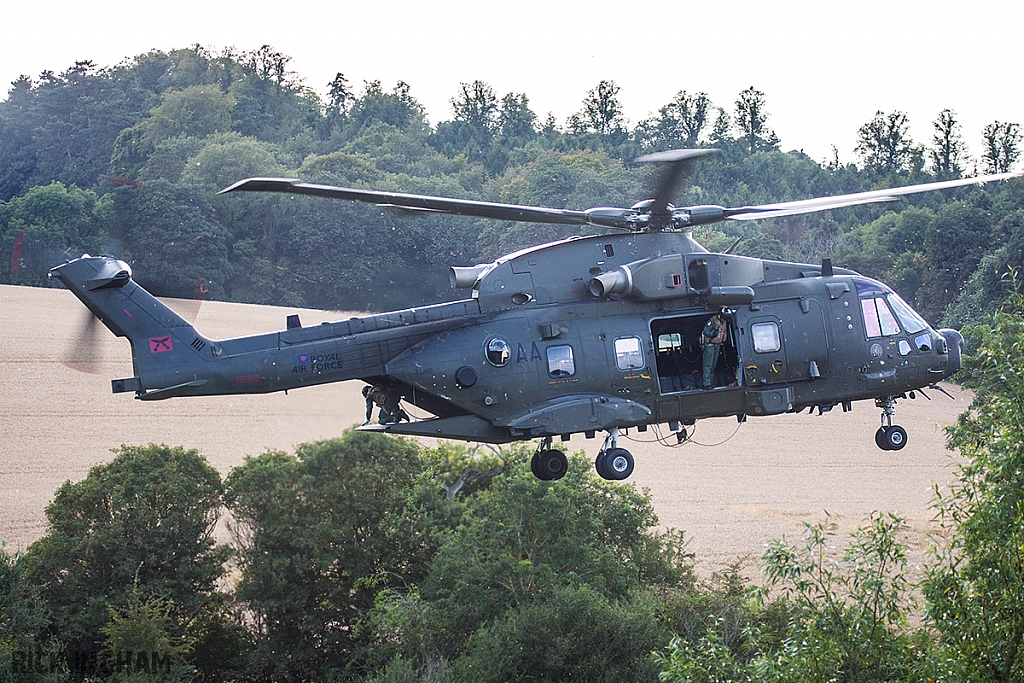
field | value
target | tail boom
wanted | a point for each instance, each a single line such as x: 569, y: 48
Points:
x: 170, y: 358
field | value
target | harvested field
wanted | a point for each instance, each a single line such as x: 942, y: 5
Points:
x: 765, y: 481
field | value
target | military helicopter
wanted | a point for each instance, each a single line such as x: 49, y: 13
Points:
x: 583, y: 335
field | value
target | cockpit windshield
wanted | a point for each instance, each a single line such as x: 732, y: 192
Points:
x: 912, y: 322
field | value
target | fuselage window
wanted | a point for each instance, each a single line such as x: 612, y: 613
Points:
x: 560, y: 361
x: 904, y: 346
x: 498, y: 352
x: 878, y: 319
x: 628, y: 353
x: 923, y: 342
x: 766, y: 337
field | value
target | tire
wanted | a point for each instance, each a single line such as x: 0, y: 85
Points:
x: 535, y: 465
x: 895, y: 438
x: 552, y: 465
x: 618, y: 464
x: 880, y: 440
x: 601, y: 465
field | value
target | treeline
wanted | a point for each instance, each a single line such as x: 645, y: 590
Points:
x: 370, y: 558
x: 128, y: 160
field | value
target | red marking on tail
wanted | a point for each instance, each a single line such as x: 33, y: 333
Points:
x: 160, y: 344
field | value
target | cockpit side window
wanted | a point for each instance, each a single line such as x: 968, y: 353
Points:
x: 879, y: 320
x: 888, y: 320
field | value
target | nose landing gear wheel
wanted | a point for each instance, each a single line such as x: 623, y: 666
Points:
x: 614, y: 464
x: 895, y: 438
x: 889, y: 437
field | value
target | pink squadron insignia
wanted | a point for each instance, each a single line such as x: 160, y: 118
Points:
x: 160, y: 344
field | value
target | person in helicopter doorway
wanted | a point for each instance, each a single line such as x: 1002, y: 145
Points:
x: 388, y: 399
x: 716, y: 331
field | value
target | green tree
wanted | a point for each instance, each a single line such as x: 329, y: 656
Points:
x: 948, y: 153
x: 518, y: 542
x: 955, y: 242
x: 752, y: 121
x: 477, y: 105
x: 397, y: 108
x: 680, y: 123
x: 571, y: 633
x: 143, y: 521
x: 317, y: 531
x: 44, y: 227
x: 226, y: 159
x: 516, y: 121
x: 885, y: 146
x: 845, y: 612
x: 1001, y: 146
x: 26, y: 654
x: 974, y: 587
x: 175, y: 245
x: 197, y: 111
x: 602, y: 111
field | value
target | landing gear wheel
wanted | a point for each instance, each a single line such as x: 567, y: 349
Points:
x: 614, y: 464
x: 551, y: 465
x: 879, y: 438
x: 895, y: 438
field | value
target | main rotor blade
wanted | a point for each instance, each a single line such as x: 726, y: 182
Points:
x: 679, y: 162
x: 746, y: 213
x: 460, y: 207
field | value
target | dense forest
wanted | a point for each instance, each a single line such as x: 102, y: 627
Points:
x: 370, y: 558
x: 128, y: 160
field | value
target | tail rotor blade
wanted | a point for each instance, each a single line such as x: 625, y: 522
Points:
x: 82, y: 352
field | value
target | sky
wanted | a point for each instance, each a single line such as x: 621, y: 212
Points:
x: 824, y: 66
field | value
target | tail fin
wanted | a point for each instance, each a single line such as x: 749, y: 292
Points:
x: 165, y: 348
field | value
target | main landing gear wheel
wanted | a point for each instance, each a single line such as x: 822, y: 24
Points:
x: 548, y: 464
x: 614, y: 464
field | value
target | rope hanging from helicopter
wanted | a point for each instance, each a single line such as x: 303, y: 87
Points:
x: 683, y: 441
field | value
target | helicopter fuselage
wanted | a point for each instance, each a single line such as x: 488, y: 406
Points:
x: 583, y: 335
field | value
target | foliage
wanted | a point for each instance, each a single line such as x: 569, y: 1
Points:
x: 140, y: 645
x: 26, y: 654
x: 317, y: 531
x: 752, y: 121
x: 602, y: 111
x: 142, y: 522
x: 846, y: 616
x: 569, y: 633
x: 885, y: 146
x: 948, y: 153
x: 974, y: 587
x: 45, y: 226
x: 1001, y: 146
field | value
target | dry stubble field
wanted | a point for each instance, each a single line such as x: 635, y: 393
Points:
x: 765, y: 481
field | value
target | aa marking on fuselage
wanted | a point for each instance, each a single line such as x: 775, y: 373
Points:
x: 521, y: 353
